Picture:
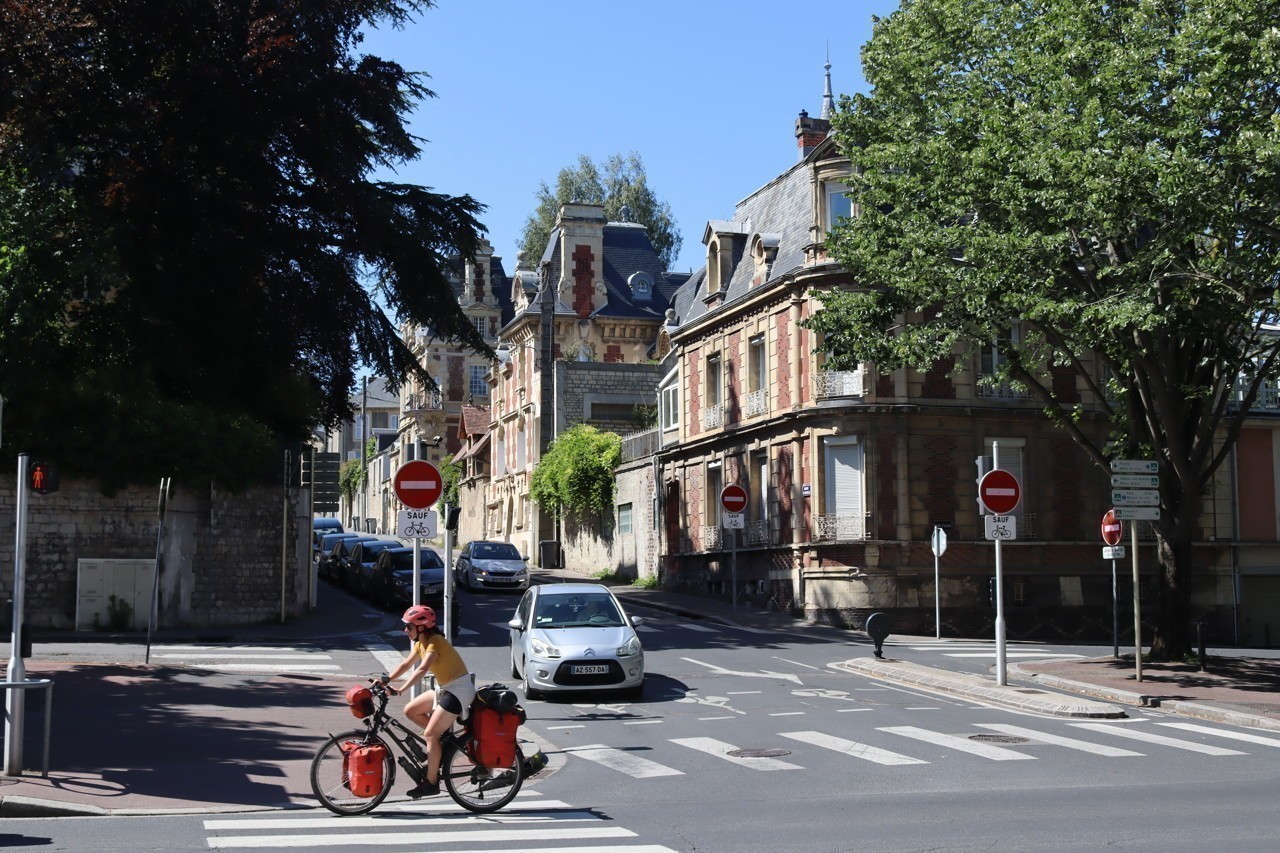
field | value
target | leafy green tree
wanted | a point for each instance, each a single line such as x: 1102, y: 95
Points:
x: 1104, y: 174
x: 192, y: 234
x: 618, y: 182
x: 450, y: 477
x: 577, y: 471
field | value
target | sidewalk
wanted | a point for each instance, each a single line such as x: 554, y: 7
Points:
x: 111, y: 721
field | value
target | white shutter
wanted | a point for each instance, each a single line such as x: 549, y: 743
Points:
x: 844, y: 488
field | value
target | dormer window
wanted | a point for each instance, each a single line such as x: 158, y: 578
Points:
x: 764, y: 248
x: 713, y: 267
x: 836, y: 204
x: 641, y: 286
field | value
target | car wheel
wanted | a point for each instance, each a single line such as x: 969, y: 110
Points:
x: 530, y: 692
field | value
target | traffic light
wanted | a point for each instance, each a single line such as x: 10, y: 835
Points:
x: 43, y: 477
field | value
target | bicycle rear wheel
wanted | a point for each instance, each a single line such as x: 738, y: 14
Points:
x: 329, y: 775
x: 476, y: 788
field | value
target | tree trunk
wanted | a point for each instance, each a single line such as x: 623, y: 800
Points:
x: 1173, y: 612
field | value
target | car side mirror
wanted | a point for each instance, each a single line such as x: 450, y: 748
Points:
x: 637, y: 620
x: 524, y: 557
x: 516, y: 624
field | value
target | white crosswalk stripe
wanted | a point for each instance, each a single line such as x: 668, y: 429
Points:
x: 853, y: 748
x: 1151, y: 737
x: 245, y: 658
x: 973, y: 747
x: 623, y: 762
x: 993, y: 655
x: 543, y: 824
x: 1244, y: 736
x: 1059, y: 740
x: 720, y: 749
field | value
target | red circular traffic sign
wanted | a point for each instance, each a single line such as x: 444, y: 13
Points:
x: 1112, y: 528
x: 999, y: 491
x: 733, y: 498
x: 418, y: 484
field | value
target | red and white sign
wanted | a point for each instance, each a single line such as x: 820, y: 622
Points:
x: 1112, y: 528
x: 999, y: 491
x: 418, y: 484
x: 733, y: 498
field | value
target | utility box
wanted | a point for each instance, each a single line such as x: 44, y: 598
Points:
x: 114, y: 595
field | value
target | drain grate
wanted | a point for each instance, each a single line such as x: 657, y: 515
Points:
x: 1264, y: 707
x: 1026, y: 690
x: 999, y: 739
x: 758, y: 753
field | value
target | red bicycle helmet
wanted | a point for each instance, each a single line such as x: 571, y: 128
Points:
x: 420, y: 615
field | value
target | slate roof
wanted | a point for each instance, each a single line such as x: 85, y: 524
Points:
x: 379, y: 396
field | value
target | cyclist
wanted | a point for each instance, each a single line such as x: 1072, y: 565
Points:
x: 434, y: 710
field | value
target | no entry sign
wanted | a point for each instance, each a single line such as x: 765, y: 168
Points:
x: 418, y: 484
x: 999, y: 491
x: 1112, y: 528
x: 733, y: 498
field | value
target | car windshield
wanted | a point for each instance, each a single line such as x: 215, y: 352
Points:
x: 429, y: 560
x: 495, y: 551
x: 593, y: 610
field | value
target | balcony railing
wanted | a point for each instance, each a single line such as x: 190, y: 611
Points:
x: 756, y: 533
x: 422, y: 403
x: 1268, y: 396
x: 840, y: 527
x: 839, y: 383
x: 757, y: 403
x: 713, y: 416
x: 641, y: 445
x: 1004, y: 391
x: 711, y: 538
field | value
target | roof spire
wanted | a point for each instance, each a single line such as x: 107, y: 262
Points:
x: 828, y: 103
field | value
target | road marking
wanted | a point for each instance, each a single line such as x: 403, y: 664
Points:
x: 622, y: 761
x: 1058, y: 740
x: 787, y: 714
x: 693, y: 626
x: 557, y: 728
x: 852, y: 710
x: 1248, y: 738
x: 766, y: 673
x: 219, y: 648
x: 268, y: 667
x: 797, y: 663
x: 527, y: 836
x: 521, y: 815
x: 743, y: 692
x: 703, y: 719
x: 720, y: 749
x: 642, y: 722
x: 853, y: 748
x: 924, y: 708
x: 1015, y: 655
x: 233, y: 657
x: 960, y: 744
x: 1154, y: 738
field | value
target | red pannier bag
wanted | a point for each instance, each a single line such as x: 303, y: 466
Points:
x: 363, y: 768
x: 494, y: 736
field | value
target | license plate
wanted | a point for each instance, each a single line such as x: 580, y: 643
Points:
x: 590, y: 669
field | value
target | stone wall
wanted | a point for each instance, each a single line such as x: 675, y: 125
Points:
x: 222, y: 552
x: 594, y: 545
x: 603, y: 394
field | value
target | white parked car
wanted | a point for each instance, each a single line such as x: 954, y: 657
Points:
x: 575, y: 636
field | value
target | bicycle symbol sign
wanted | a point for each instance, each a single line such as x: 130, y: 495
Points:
x: 1004, y: 527
x: 416, y: 524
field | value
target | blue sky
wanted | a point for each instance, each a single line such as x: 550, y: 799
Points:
x: 706, y: 91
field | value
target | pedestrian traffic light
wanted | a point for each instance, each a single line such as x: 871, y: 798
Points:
x: 44, y: 477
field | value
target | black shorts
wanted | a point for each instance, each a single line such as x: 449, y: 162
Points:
x: 449, y: 702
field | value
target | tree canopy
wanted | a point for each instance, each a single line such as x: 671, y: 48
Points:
x: 1105, y: 179
x: 618, y: 182
x: 191, y: 238
x: 577, y: 471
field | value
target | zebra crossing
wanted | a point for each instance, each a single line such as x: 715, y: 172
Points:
x: 245, y: 659
x: 1012, y: 742
x: 534, y: 822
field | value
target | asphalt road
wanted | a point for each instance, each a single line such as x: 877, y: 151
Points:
x: 750, y: 741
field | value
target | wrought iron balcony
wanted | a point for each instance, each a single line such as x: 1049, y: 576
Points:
x: 1004, y: 391
x: 711, y: 538
x: 713, y: 416
x: 757, y: 403
x: 828, y: 384
x: 756, y: 533
x: 843, y: 527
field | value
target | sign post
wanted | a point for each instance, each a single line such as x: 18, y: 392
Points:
x: 418, y: 485
x: 15, y: 699
x: 1136, y: 504
x: 733, y: 501
x: 1112, y: 533
x: 1000, y: 492
x: 938, y: 543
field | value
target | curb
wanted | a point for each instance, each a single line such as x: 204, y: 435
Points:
x: 976, y: 687
x: 1180, y: 707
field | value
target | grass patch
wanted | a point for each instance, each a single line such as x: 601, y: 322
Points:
x: 646, y: 582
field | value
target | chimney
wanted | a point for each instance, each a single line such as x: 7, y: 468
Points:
x: 810, y: 132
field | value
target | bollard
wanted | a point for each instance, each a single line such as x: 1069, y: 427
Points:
x: 1200, y: 644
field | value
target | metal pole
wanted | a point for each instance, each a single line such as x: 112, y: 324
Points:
x: 415, y: 688
x: 733, y: 564
x: 1115, y: 614
x: 1137, y: 604
x: 1001, y: 673
x: 15, y: 700
x: 364, y: 463
x: 937, y: 597
x: 448, y: 576
x: 154, y: 618
x: 284, y: 535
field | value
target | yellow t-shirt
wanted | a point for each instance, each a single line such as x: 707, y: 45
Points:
x: 448, y: 665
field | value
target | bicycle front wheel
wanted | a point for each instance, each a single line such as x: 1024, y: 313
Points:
x: 476, y: 788
x: 330, y: 778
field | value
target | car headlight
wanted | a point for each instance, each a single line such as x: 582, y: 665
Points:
x: 629, y: 648
x: 543, y: 650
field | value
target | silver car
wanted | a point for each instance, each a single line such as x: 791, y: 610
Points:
x: 491, y: 565
x: 575, y: 636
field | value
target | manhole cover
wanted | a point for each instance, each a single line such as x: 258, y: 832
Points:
x: 759, y: 753
x: 999, y: 738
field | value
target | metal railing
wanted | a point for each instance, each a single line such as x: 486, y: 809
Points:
x: 840, y: 527
x: 711, y: 538
x: 757, y: 403
x: 46, y: 685
x: 839, y: 383
x: 713, y: 416
x: 641, y: 445
x: 756, y: 533
x: 1004, y: 391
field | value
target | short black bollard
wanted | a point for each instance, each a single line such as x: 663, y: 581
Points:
x: 877, y: 628
x: 1200, y: 644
